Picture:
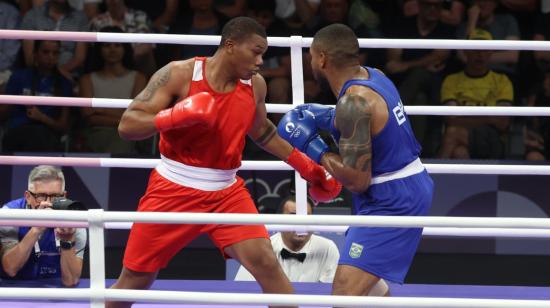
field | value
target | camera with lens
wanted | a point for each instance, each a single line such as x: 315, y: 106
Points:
x: 63, y: 203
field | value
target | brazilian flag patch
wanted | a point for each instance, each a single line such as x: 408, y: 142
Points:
x: 355, y: 250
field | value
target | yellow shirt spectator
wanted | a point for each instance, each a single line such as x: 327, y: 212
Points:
x: 490, y: 90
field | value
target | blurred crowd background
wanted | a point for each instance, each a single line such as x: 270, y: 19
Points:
x: 423, y: 76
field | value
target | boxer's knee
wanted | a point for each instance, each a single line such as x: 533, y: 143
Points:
x: 350, y: 280
x: 130, y: 279
x: 263, y: 262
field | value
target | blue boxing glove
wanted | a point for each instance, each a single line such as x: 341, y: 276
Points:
x: 298, y: 127
x: 324, y: 118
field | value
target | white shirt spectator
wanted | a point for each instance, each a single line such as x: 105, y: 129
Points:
x: 287, y: 8
x: 319, y: 264
x: 38, y: 18
x: 79, y: 4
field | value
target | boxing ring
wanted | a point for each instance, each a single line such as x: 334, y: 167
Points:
x: 247, y: 293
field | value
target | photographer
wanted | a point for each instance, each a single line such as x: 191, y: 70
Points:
x: 30, y: 253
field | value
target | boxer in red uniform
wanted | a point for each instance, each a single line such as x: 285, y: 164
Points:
x: 221, y: 100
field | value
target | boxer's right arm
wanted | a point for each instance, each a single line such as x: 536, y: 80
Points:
x: 138, y: 121
x: 352, y: 166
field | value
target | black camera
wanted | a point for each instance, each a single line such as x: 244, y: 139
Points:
x: 67, y: 204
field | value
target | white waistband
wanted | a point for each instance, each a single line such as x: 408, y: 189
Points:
x: 412, y: 168
x: 196, y: 177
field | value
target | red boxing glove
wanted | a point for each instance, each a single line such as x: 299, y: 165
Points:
x: 195, y: 109
x: 308, y: 169
x: 323, y: 187
x: 326, y: 191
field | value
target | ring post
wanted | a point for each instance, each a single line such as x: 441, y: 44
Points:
x: 97, y: 258
x: 298, y: 99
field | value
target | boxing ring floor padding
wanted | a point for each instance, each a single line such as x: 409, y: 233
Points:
x: 406, y: 290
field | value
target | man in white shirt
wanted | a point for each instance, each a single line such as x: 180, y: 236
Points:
x: 306, y: 258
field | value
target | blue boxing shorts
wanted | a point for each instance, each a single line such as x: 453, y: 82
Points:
x: 388, y: 252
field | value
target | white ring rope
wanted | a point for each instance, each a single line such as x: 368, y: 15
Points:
x: 265, y: 299
x: 280, y: 108
x: 98, y: 294
x: 263, y: 165
x: 428, y: 231
x: 28, y: 217
x: 272, y: 41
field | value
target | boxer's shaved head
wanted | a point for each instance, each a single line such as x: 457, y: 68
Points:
x: 339, y: 43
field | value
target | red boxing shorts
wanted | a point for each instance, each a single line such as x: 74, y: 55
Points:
x: 151, y: 246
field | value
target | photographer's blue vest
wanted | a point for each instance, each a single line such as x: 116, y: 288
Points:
x: 42, y: 264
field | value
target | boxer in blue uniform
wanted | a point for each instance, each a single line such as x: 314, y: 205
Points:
x: 378, y: 159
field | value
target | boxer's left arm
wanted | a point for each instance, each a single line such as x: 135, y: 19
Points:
x: 263, y: 131
x: 352, y: 167
x: 264, y: 134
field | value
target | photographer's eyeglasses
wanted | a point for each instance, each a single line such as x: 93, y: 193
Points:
x: 43, y: 197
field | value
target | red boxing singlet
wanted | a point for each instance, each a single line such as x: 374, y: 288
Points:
x: 221, y: 146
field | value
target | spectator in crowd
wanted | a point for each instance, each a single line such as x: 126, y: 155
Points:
x: 37, y: 128
x: 362, y: 13
x: 296, y: 13
x: 520, y: 5
x: 476, y: 85
x: 23, y: 5
x: 200, y: 19
x: 297, y: 21
x: 276, y: 61
x: 9, y: 19
x: 91, y: 8
x: 162, y: 13
x: 57, y: 15
x: 538, y: 128
x: 418, y: 72
x: 130, y: 21
x: 523, y: 11
x: 232, y: 8
x: 415, y: 64
x: 330, y: 12
x: 482, y: 14
x: 111, y: 77
x: 451, y: 14
x: 33, y: 253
